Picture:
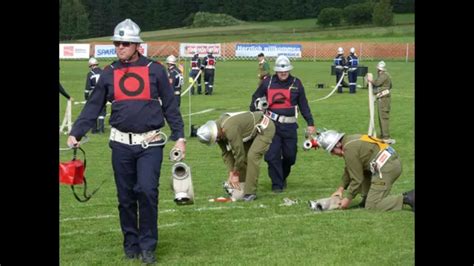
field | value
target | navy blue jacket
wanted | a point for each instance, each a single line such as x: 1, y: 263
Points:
x: 279, y: 102
x: 137, y: 106
x: 176, y: 77
x: 91, y: 79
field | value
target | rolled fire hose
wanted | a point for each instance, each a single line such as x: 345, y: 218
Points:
x: 371, y: 131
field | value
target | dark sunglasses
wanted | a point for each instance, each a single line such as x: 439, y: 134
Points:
x: 124, y: 44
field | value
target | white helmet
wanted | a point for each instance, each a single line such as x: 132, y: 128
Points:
x: 207, y: 133
x: 282, y: 64
x: 127, y: 31
x: 352, y: 50
x: 93, y: 61
x: 171, y: 60
x: 328, y: 139
x: 381, y: 66
x: 340, y: 50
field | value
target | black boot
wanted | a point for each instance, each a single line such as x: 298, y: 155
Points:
x: 148, y: 257
x: 409, y: 198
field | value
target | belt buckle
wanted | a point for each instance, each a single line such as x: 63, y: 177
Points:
x: 274, y: 116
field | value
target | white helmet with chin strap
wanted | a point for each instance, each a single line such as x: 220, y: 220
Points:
x: 171, y: 60
x: 282, y: 64
x: 93, y: 61
x: 127, y: 31
x: 352, y: 50
x: 207, y: 133
x: 340, y: 50
x: 381, y: 66
x: 328, y: 139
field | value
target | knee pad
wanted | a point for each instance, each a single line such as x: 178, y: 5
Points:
x: 182, y: 184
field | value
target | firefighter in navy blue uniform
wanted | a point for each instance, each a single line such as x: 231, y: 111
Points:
x: 341, y: 66
x: 352, y: 63
x: 209, y: 65
x: 195, y: 67
x: 92, y: 77
x: 284, y: 94
x: 175, y: 77
x: 141, y: 99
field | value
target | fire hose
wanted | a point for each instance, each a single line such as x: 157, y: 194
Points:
x: 332, y: 92
x: 371, y: 131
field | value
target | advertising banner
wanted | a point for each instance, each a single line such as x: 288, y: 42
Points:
x: 189, y: 49
x: 74, y: 51
x: 270, y: 50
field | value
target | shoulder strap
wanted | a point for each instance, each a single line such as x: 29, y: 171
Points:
x: 382, y: 145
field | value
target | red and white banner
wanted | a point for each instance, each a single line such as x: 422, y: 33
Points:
x: 74, y: 51
x: 189, y: 49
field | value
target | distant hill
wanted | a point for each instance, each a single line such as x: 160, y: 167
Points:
x: 284, y: 31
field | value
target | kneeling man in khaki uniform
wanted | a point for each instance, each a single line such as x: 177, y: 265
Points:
x: 371, y: 168
x: 244, y: 138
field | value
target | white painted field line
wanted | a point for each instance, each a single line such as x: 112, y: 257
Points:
x: 163, y: 211
x: 201, y: 112
x: 85, y: 232
x: 88, y: 218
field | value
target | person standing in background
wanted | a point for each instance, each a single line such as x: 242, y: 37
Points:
x: 383, y: 86
x: 195, y: 67
x: 92, y: 77
x: 175, y: 76
x: 352, y: 63
x: 341, y: 66
x: 209, y: 66
x: 263, y: 68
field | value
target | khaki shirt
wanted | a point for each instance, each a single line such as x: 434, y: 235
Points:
x: 357, y: 155
x: 263, y: 69
x: 237, y: 128
x: 382, y: 82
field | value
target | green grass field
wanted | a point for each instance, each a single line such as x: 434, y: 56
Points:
x: 287, y: 30
x: 260, y: 232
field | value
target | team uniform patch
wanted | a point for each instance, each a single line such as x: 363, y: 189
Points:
x: 279, y: 98
x: 132, y: 83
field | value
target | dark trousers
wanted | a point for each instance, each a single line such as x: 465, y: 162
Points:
x: 338, y: 77
x: 282, y: 154
x: 352, y: 75
x: 137, y: 176
x: 209, y: 80
x: 192, y: 75
x: 178, y: 99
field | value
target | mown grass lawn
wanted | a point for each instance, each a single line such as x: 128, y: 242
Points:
x: 261, y: 232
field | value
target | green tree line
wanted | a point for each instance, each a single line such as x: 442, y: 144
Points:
x: 94, y: 18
